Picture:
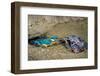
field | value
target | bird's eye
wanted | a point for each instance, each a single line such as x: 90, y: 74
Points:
x: 72, y: 42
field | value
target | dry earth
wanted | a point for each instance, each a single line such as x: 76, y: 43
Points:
x: 59, y: 51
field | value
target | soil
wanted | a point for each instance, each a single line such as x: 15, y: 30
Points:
x: 78, y: 28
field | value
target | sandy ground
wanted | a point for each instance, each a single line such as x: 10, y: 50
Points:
x: 54, y: 52
x: 59, y: 51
